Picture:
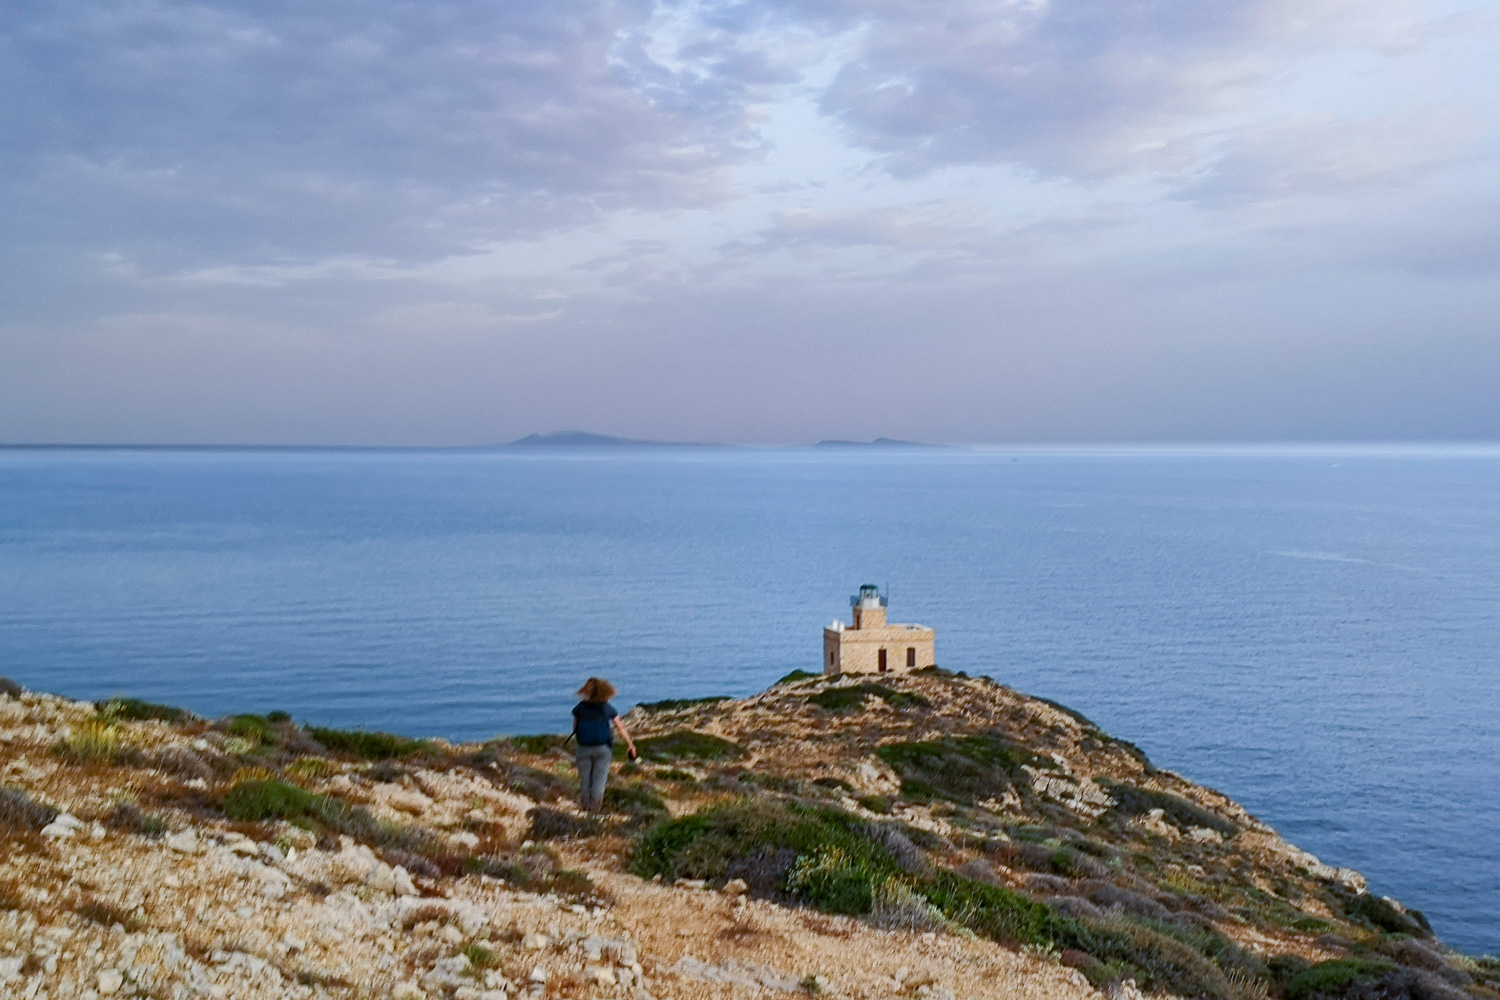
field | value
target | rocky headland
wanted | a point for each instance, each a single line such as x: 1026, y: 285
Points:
x: 930, y: 836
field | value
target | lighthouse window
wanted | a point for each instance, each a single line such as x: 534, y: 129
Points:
x: 911, y: 656
x: 883, y: 667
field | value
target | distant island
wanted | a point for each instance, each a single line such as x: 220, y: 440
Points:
x: 585, y: 439
x: 881, y: 442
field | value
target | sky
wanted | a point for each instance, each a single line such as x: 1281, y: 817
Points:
x: 453, y: 223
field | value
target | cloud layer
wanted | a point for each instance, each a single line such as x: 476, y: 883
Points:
x: 459, y: 221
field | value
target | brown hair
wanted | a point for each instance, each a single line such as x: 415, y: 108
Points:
x: 596, y: 689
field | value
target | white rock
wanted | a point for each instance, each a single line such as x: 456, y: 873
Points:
x: 402, y: 881
x: 110, y: 982
x: 466, y: 839
x: 408, y: 991
x: 381, y: 879
x: 185, y: 842
x: 492, y: 995
x: 602, y: 975
x: 11, y: 967
x: 293, y: 942
x: 451, y: 934
x: 57, y: 831
x: 538, y: 975
x: 535, y: 941
x: 736, y: 887
x: 1204, y: 835
x: 172, y: 882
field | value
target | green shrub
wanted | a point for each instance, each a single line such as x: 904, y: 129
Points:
x: 557, y: 824
x: 1156, y: 962
x: 1131, y: 800
x: 19, y: 811
x: 848, y: 699
x: 838, y: 864
x: 370, y: 745
x: 478, y: 955
x: 998, y: 913
x: 641, y: 805
x: 257, y: 800
x: 255, y: 728
x: 1381, y: 914
x: 687, y: 745
x: 673, y: 704
x: 962, y: 768
x: 536, y: 744
x: 797, y: 676
x: 674, y: 774
x: 571, y: 882
x: 876, y: 803
x: 1334, y: 977
x: 136, y: 710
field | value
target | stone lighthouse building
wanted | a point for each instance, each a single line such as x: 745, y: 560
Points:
x: 872, y: 645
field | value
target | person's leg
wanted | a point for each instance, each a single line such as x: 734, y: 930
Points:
x: 600, y: 775
x: 585, y: 761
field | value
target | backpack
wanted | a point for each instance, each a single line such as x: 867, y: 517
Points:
x: 594, y: 731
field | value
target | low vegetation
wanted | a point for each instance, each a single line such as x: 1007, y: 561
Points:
x: 853, y: 698
x: 1131, y: 800
x: 966, y: 769
x: 834, y: 861
x: 136, y: 710
x: 676, y: 704
x: 368, y: 745
x: 687, y: 745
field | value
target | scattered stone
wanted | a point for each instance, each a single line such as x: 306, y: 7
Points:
x: 408, y: 990
x: 466, y: 839
x: 110, y: 982
x: 601, y: 974
x: 538, y: 975
x: 403, y: 883
x: 185, y: 842
x: 1204, y: 835
x: 535, y: 941
x: 736, y: 887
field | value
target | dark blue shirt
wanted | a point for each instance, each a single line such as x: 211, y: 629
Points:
x: 591, y: 721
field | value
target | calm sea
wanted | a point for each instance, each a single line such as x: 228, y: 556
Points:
x: 1314, y: 632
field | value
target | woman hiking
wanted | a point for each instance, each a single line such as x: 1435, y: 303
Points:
x: 594, y: 723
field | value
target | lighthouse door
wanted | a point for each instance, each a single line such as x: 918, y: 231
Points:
x: 883, y: 666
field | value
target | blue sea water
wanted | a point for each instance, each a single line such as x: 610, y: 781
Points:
x: 1311, y: 631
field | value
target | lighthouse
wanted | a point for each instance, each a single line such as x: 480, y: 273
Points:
x: 872, y: 645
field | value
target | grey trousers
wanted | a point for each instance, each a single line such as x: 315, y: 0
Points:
x: 593, y: 772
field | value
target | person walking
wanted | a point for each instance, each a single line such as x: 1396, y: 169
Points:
x: 594, y: 724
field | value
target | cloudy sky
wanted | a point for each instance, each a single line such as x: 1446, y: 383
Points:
x: 956, y: 220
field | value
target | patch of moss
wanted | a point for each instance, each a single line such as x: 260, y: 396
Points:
x: 369, y: 745
x: 687, y: 745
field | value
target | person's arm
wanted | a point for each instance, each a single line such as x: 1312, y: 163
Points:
x: 626, y: 733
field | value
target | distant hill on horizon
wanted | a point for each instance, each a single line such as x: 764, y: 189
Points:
x: 586, y: 439
x: 880, y: 442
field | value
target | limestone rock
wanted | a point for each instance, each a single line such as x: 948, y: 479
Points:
x: 110, y: 982
x: 185, y: 842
